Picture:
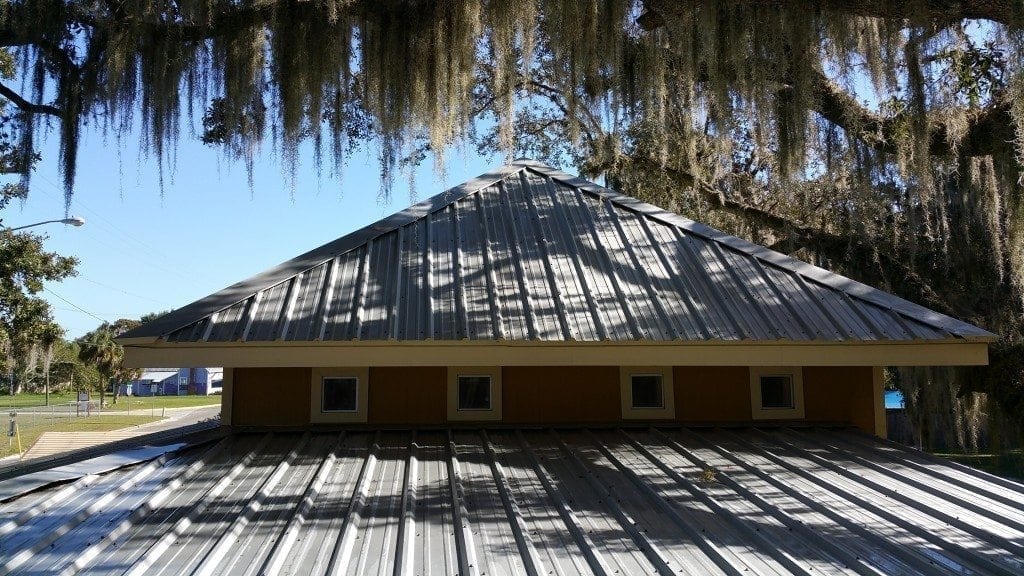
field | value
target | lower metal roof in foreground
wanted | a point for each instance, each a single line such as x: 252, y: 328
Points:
x: 679, y: 501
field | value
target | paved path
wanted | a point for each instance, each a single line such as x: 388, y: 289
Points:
x: 50, y: 443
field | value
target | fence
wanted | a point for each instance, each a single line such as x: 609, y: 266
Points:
x: 24, y: 424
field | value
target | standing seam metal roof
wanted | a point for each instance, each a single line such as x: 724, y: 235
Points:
x: 531, y: 253
x: 496, y: 502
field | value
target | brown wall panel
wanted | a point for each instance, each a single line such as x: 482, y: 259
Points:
x: 545, y: 394
x: 712, y: 393
x: 271, y: 396
x: 407, y: 395
x: 840, y: 394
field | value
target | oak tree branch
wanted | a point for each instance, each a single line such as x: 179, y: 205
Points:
x: 26, y: 106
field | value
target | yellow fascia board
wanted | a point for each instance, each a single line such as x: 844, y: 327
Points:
x: 489, y: 353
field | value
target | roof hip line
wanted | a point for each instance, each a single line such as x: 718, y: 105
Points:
x: 706, y: 253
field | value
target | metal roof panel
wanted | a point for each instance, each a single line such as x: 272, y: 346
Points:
x: 531, y: 253
x: 505, y: 501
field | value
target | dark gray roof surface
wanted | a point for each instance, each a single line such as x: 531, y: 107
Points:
x: 531, y: 253
x: 577, y: 501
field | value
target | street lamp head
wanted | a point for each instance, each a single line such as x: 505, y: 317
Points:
x: 73, y: 221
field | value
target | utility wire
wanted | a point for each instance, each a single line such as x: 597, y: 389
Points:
x: 75, y: 306
x: 81, y: 204
x: 122, y: 291
x: 143, y: 248
x: 110, y: 314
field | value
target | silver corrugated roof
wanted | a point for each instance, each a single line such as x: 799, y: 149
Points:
x: 531, y: 253
x: 157, y: 374
x: 575, y: 501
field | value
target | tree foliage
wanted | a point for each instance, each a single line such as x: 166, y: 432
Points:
x: 28, y: 333
x: 99, y: 349
x: 882, y: 139
x: 69, y: 373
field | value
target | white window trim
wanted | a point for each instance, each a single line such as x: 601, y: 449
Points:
x: 758, y: 412
x: 666, y: 412
x: 494, y: 413
x: 316, y: 412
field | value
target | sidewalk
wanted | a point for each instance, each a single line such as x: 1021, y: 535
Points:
x: 50, y: 443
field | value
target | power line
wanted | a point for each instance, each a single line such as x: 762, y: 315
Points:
x: 145, y: 245
x: 144, y: 260
x: 122, y: 291
x: 111, y: 314
x: 75, y: 306
x: 81, y: 204
x: 141, y: 248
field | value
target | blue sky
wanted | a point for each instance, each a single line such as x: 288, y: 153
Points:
x: 142, y: 252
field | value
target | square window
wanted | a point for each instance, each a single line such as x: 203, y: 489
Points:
x: 340, y: 394
x: 474, y: 392
x: 647, y: 391
x: 777, y: 391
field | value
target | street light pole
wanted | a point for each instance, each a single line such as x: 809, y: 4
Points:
x: 72, y: 221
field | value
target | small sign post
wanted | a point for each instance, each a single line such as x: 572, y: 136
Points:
x: 13, y: 432
x: 83, y: 403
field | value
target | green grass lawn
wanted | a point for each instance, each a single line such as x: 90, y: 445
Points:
x: 31, y: 433
x: 26, y: 399
x: 159, y: 402
x: 1009, y: 464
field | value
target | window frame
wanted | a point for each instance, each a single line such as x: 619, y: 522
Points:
x: 667, y: 411
x: 317, y: 414
x: 632, y: 391
x: 323, y: 394
x: 758, y: 411
x: 458, y: 392
x: 455, y: 413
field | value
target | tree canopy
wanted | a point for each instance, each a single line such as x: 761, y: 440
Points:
x: 27, y: 330
x: 883, y: 139
x: 99, y: 349
x: 406, y: 70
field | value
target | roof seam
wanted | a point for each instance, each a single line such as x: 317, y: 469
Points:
x: 913, y: 320
x: 745, y: 247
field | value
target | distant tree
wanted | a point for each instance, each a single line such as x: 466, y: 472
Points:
x: 99, y: 349
x: 27, y: 328
x: 48, y: 344
x: 68, y: 372
x: 152, y: 316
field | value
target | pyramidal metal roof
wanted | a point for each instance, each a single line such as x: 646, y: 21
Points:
x: 531, y: 253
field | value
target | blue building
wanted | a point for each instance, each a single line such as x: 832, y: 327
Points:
x: 175, y: 382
